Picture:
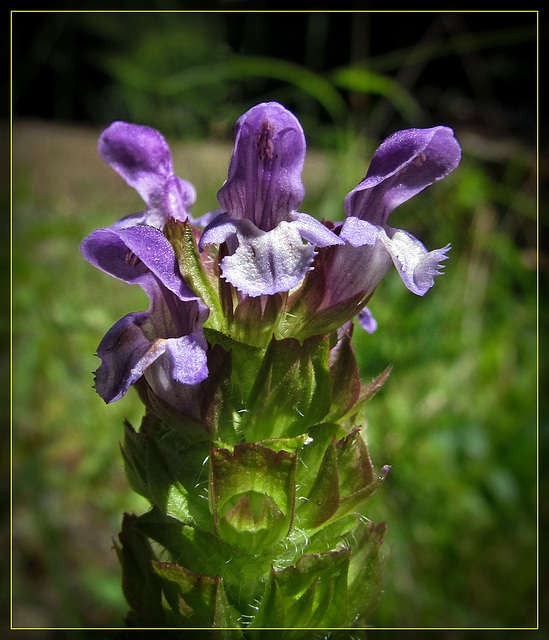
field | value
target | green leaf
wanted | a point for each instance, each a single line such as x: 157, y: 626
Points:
x: 361, y: 79
x: 191, y: 596
x: 139, y: 585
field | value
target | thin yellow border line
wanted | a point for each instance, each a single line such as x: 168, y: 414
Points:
x: 11, y: 321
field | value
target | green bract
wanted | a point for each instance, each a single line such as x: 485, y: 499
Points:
x: 257, y: 498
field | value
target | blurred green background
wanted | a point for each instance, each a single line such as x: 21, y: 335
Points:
x: 457, y: 418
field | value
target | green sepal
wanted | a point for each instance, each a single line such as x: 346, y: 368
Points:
x: 367, y: 392
x: 365, y: 579
x: 310, y: 594
x: 318, y: 439
x: 252, y: 495
x: 256, y: 319
x: 344, y: 377
x: 205, y: 553
x: 182, y: 238
x: 292, y: 389
x: 160, y: 414
x: 285, y: 444
x: 215, y: 408
x: 304, y: 319
x: 322, y: 500
x: 134, y: 454
x: 194, y: 600
x: 145, y: 466
x: 333, y: 535
x: 139, y: 584
x: 245, y: 361
x: 162, y: 469
x: 345, y: 479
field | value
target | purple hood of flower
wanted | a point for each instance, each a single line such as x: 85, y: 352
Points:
x: 142, y: 157
x: 258, y: 215
x: 166, y: 344
x: 404, y: 164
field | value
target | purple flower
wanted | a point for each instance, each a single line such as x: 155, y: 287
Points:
x: 345, y: 276
x: 166, y: 344
x: 142, y: 157
x: 258, y: 217
x: 404, y: 164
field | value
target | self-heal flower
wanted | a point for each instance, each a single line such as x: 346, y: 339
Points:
x: 258, y: 217
x: 406, y: 163
x: 166, y: 344
x: 345, y: 276
x: 142, y: 157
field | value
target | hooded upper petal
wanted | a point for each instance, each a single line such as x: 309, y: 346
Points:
x: 405, y: 163
x: 142, y: 157
x: 264, y: 182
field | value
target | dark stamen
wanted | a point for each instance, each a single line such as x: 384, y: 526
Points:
x: 132, y: 259
x: 264, y: 141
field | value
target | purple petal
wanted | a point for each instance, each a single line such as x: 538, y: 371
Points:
x: 142, y: 157
x: 314, y: 231
x: 359, y: 232
x: 125, y: 353
x: 183, y: 360
x: 264, y: 181
x: 132, y: 254
x: 352, y: 271
x: 268, y: 263
x: 367, y: 320
x: 406, y: 163
x: 417, y: 266
x: 219, y: 230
